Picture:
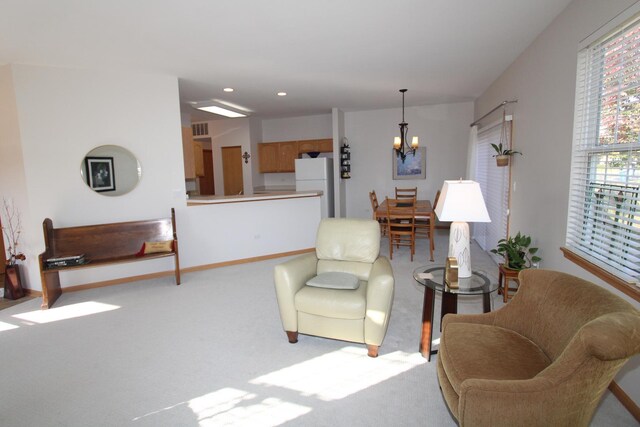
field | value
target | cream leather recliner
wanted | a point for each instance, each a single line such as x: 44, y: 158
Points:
x: 358, y: 315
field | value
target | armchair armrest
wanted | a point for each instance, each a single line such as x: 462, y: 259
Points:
x: 483, y: 318
x: 380, y: 290
x: 289, y: 278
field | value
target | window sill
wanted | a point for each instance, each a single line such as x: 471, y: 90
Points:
x: 625, y: 287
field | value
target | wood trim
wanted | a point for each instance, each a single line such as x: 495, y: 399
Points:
x: 32, y: 292
x: 247, y: 260
x: 626, y: 401
x: 624, y: 287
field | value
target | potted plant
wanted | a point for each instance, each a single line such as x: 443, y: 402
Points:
x: 503, y: 154
x: 11, y: 229
x: 516, y: 252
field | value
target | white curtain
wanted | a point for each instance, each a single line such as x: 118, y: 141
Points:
x: 472, y: 153
x: 494, y: 182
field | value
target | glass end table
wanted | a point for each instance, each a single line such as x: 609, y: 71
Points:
x: 478, y: 284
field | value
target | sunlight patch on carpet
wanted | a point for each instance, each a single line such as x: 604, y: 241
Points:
x: 230, y: 406
x: 341, y: 373
x: 7, y: 326
x: 66, y: 312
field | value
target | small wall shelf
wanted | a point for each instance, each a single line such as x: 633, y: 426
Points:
x: 345, y: 161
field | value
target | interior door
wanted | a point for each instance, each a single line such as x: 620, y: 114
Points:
x: 232, y: 170
x: 207, y: 187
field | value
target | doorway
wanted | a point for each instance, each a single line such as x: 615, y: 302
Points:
x: 232, y: 170
x: 207, y: 187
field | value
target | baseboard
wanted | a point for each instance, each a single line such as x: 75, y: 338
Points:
x: 122, y: 280
x: 246, y: 260
x: 626, y: 401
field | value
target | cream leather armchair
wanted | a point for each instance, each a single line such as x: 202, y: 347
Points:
x: 358, y: 315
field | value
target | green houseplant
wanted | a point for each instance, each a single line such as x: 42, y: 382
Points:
x: 503, y: 154
x: 516, y: 252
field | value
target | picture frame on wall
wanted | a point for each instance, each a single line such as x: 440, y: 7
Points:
x: 100, y: 176
x: 413, y: 167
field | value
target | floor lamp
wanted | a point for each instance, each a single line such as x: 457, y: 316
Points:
x: 461, y: 202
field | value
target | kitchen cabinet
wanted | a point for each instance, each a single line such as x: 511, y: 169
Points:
x: 277, y: 156
x: 317, y: 145
x: 280, y: 156
x: 192, y: 155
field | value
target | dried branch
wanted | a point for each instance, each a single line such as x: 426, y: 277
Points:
x: 11, y: 228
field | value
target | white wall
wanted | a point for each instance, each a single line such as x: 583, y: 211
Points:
x: 13, y: 183
x: 442, y: 129
x: 62, y: 115
x: 255, y: 131
x: 216, y: 233
x: 295, y: 128
x: 543, y: 81
x: 339, y: 184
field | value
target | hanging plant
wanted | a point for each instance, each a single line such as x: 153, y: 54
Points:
x: 503, y: 154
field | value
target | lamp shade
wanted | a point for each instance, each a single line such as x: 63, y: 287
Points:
x: 461, y: 201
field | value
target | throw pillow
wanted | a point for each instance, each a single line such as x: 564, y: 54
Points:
x: 156, y: 247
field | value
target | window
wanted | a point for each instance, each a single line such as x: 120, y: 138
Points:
x: 604, y: 209
x: 494, y: 182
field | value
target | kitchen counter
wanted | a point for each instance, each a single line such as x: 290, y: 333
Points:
x: 271, y: 195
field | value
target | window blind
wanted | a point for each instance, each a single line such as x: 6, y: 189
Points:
x: 494, y: 182
x: 603, y: 223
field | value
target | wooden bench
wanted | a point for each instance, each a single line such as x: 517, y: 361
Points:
x: 102, y: 244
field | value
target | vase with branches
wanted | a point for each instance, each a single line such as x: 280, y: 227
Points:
x: 11, y: 229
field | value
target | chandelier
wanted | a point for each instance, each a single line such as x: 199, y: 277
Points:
x: 400, y: 143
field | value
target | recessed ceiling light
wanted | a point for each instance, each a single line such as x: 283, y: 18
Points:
x: 228, y: 89
x: 282, y: 93
x: 221, y: 111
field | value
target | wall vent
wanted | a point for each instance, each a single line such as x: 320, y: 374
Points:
x: 200, y: 129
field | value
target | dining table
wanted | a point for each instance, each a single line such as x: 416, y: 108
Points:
x: 423, y: 210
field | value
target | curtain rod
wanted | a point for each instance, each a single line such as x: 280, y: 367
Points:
x: 502, y: 104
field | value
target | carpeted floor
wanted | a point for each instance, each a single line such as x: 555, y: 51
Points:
x: 212, y: 352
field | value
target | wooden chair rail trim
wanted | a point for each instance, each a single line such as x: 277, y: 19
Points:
x: 621, y: 285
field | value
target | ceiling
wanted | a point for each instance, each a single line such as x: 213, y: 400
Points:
x: 349, y: 54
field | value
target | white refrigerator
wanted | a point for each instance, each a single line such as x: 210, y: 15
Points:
x: 317, y: 175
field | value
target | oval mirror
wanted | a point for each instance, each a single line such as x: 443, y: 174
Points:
x: 110, y: 170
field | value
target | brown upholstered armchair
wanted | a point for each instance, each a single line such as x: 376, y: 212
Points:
x: 544, y: 359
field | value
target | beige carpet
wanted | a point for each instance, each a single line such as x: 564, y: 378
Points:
x: 212, y: 352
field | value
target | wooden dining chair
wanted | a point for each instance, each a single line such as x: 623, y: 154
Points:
x: 407, y: 193
x: 423, y: 225
x: 374, y: 207
x: 401, y: 224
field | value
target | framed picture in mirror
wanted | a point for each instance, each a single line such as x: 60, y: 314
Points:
x: 100, y: 173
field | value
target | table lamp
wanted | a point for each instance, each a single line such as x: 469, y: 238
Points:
x: 461, y: 202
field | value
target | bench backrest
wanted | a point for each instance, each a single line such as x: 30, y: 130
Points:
x: 106, y: 241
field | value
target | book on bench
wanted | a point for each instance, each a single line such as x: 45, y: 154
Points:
x: 65, y: 261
